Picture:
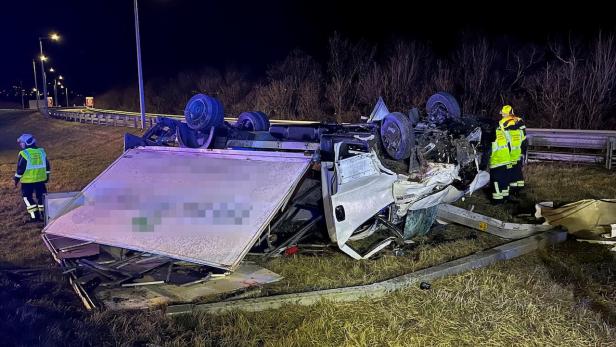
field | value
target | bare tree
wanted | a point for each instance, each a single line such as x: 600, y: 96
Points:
x: 597, y: 88
x: 347, y: 62
x: 293, y: 90
x: 403, y: 73
x: 575, y: 89
x: 480, y: 79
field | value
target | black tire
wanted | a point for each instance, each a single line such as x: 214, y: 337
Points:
x: 253, y: 121
x: 442, y: 107
x: 203, y: 111
x: 397, y: 135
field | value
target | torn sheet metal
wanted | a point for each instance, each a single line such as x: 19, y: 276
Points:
x: 378, y: 112
x: 434, y: 181
x: 354, y: 190
x: 66, y: 248
x: 246, y: 276
x: 55, y: 202
x: 202, y: 206
x: 585, y: 218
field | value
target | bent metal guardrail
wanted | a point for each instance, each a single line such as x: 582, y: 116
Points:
x: 579, y: 146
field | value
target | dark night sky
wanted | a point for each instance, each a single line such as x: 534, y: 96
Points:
x: 97, y: 51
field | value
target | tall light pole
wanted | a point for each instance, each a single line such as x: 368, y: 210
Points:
x: 55, y: 89
x: 21, y: 88
x: 139, y: 71
x: 53, y: 37
x: 55, y: 92
x: 36, y: 85
x: 66, y: 93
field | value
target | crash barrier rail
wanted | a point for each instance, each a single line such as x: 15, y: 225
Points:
x: 578, y: 146
x: 129, y: 119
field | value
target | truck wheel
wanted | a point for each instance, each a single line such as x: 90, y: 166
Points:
x: 203, y: 111
x: 441, y: 107
x: 253, y: 121
x: 397, y: 135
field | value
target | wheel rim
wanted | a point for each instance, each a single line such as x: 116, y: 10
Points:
x: 247, y: 125
x: 439, y: 113
x: 392, y: 138
x: 196, y: 110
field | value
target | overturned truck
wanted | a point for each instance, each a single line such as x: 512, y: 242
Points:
x: 187, y: 201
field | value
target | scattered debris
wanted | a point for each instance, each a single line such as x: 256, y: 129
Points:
x: 425, y: 285
x: 587, y: 219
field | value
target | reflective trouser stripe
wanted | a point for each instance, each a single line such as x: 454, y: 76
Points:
x: 497, y: 195
x: 505, y: 192
x: 30, y: 208
x: 41, y: 208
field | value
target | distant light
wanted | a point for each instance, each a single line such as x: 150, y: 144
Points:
x: 60, y: 77
x: 43, y: 58
x: 61, y: 86
x: 52, y: 70
x: 54, y: 36
x: 34, y: 89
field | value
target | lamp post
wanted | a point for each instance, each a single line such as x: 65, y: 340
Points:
x: 53, y: 37
x: 21, y: 89
x: 139, y: 72
x: 55, y: 89
x: 55, y: 92
x: 36, y: 88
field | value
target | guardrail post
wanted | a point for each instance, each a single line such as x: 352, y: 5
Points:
x: 609, y: 158
x: 135, y: 121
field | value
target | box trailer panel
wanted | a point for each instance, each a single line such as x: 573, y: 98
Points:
x: 201, y: 206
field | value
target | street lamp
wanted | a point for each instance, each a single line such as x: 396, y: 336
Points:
x: 52, y: 37
x: 51, y: 70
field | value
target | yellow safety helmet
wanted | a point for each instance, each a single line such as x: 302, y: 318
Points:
x: 506, y: 111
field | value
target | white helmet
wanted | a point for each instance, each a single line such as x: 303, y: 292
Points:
x: 28, y: 139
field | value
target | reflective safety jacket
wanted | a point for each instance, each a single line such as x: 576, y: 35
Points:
x: 516, y: 136
x: 32, y: 165
x: 500, y: 154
